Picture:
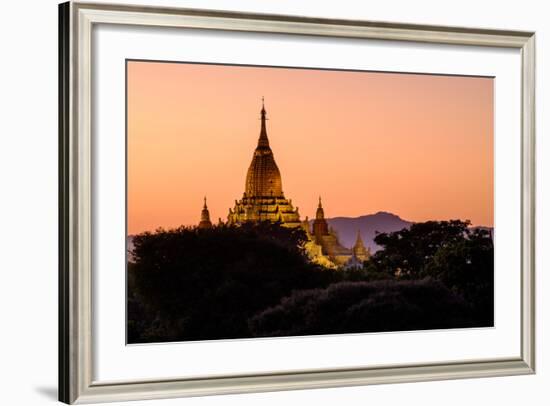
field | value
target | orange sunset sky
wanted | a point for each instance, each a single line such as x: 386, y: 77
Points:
x: 419, y: 146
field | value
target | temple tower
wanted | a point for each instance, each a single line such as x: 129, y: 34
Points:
x: 320, y: 226
x: 205, y: 217
x: 263, y: 198
x: 359, y: 250
x: 263, y: 178
x: 327, y: 238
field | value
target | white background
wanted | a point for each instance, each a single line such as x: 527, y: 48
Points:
x: 28, y: 168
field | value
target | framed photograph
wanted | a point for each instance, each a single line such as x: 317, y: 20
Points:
x: 263, y: 202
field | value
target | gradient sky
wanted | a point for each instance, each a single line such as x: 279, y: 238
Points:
x: 419, y: 146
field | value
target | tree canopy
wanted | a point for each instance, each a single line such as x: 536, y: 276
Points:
x: 200, y: 284
x: 256, y: 280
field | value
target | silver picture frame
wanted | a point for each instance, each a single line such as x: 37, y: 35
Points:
x: 76, y: 21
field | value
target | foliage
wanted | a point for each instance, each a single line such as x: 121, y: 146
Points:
x: 406, y: 252
x: 354, y: 307
x: 459, y: 256
x: 202, y: 284
x: 467, y: 267
x: 233, y: 282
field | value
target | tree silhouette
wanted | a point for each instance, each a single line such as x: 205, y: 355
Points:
x: 356, y: 307
x: 203, y: 284
x: 256, y: 280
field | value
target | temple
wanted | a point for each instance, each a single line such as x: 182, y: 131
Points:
x: 327, y: 239
x: 359, y: 253
x: 263, y: 200
x: 205, y: 217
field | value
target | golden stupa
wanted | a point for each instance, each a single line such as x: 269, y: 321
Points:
x: 205, y: 217
x: 263, y: 198
x: 325, y: 237
x: 359, y: 250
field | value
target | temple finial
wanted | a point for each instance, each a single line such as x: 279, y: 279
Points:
x: 263, y: 109
x: 320, y: 204
x: 205, y: 202
x: 263, y: 142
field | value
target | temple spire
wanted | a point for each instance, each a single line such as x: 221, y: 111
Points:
x: 359, y: 240
x: 320, y: 213
x: 205, y: 216
x: 263, y: 142
x: 360, y: 252
x: 320, y: 225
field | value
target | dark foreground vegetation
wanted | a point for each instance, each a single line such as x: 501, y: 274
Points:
x: 256, y: 281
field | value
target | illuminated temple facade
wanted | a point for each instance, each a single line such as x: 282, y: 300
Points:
x: 324, y: 237
x: 263, y: 200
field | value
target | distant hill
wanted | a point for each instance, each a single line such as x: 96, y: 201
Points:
x: 346, y: 227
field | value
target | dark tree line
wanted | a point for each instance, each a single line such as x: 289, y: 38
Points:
x: 256, y: 280
x: 359, y: 307
x: 449, y: 251
x: 202, y: 284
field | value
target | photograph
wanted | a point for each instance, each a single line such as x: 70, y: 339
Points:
x: 264, y: 200
x: 284, y: 201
